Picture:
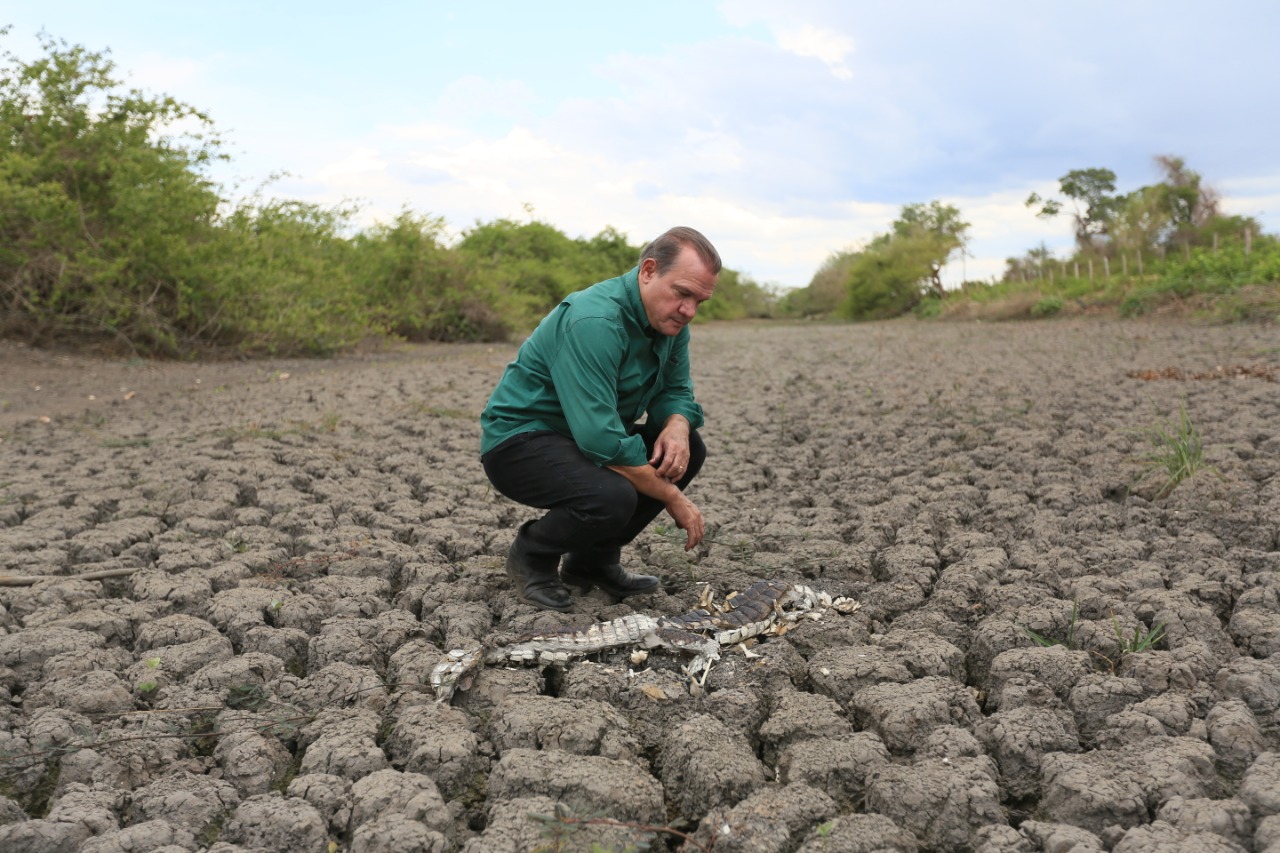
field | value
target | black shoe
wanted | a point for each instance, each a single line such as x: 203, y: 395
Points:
x: 535, y: 579
x: 609, y: 577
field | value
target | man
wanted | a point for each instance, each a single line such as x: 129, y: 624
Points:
x: 560, y: 431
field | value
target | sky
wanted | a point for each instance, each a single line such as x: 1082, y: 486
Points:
x: 783, y: 131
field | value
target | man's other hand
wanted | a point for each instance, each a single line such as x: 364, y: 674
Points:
x: 671, y: 450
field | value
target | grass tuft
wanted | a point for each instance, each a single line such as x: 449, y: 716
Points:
x: 1069, y: 642
x: 1142, y: 640
x: 1176, y: 453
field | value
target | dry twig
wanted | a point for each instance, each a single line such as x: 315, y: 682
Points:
x: 32, y: 580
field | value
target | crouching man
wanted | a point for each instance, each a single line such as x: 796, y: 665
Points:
x: 561, y: 430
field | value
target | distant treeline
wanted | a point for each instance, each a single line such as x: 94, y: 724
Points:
x: 111, y: 231
x: 1160, y: 245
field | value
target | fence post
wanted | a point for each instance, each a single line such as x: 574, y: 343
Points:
x: 1248, y: 240
x: 1106, y: 266
x: 1215, y: 242
x: 1139, y: 263
x: 1077, y: 266
x: 1091, y: 269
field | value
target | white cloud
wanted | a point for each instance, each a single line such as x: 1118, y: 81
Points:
x: 361, y: 164
x: 472, y: 95
x: 1258, y: 197
x: 156, y: 72
x: 493, y: 165
x: 827, y: 46
x: 1264, y: 208
x: 434, y: 132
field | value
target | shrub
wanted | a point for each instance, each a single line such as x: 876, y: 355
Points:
x: 104, y: 213
x: 1046, y: 307
x: 928, y: 308
x: 884, y: 281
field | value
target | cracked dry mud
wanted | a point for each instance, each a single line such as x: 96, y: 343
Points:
x: 310, y: 537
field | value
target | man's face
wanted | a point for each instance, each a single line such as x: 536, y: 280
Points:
x: 671, y: 299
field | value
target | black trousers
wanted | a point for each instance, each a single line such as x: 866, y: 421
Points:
x: 591, y: 511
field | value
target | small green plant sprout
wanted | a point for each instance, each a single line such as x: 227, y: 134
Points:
x: 146, y: 688
x: 1069, y: 642
x: 1141, y: 640
x: 824, y: 829
x: 1176, y: 453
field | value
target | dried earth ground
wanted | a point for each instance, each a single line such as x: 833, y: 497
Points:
x: 308, y: 539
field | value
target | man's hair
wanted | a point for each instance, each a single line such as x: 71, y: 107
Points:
x: 665, y: 249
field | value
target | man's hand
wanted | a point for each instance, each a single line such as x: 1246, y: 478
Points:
x: 689, y: 519
x: 671, y: 451
x: 647, y: 481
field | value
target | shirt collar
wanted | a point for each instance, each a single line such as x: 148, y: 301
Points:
x: 631, y: 282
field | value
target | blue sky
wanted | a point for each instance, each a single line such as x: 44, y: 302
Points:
x: 784, y: 131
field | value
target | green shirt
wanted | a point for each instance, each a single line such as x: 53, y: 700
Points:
x: 589, y: 371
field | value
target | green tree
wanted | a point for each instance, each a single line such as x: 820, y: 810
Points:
x: 1190, y: 205
x: 738, y: 296
x: 418, y: 289
x: 825, y: 291
x: 1180, y: 211
x: 759, y: 301
x: 888, y: 278
x: 1094, y: 202
x: 1140, y: 220
x: 105, y: 208
x: 533, y: 265
x: 938, y: 231
x: 282, y: 278
x: 895, y: 271
x: 607, y: 254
